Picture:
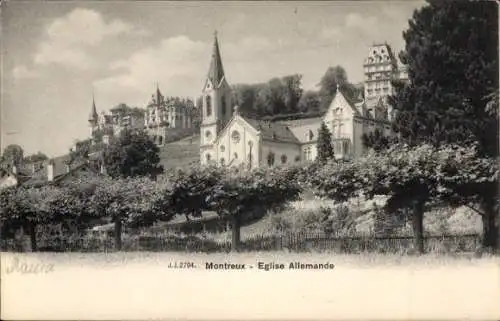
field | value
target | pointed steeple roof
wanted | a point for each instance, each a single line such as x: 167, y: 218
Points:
x: 159, y: 96
x: 216, y: 71
x: 93, y: 112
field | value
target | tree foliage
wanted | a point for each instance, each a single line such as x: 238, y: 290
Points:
x: 451, y: 75
x: 132, y: 154
x: 324, y: 144
x: 377, y: 141
x: 13, y: 154
x: 412, y: 177
x: 328, y: 86
x: 38, y: 157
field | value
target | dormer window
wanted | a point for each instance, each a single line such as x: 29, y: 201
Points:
x: 310, y: 135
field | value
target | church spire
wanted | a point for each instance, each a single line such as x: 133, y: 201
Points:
x: 93, y: 112
x: 216, y: 71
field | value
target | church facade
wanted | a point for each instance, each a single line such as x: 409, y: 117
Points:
x: 228, y: 138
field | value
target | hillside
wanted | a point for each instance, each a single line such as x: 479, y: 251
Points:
x: 180, y: 153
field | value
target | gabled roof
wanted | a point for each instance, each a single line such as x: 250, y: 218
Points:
x: 302, y: 131
x: 60, y: 169
x: 340, y: 98
x: 216, y: 70
x: 272, y: 131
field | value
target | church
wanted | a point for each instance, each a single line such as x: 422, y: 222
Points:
x: 228, y: 138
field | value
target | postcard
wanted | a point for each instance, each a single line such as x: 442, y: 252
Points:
x: 249, y: 160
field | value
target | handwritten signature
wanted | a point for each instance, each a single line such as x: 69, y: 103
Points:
x: 28, y: 268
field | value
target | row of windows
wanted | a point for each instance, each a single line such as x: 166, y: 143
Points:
x: 270, y: 158
x: 385, y: 90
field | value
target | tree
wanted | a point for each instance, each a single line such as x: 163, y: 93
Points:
x: 26, y: 208
x: 239, y: 194
x: 324, y: 145
x: 451, y: 74
x: 377, y: 141
x: 38, y: 157
x: 309, y: 102
x: 126, y: 201
x: 328, y: 86
x: 13, y: 154
x: 132, y: 154
x: 453, y: 81
x: 277, y: 96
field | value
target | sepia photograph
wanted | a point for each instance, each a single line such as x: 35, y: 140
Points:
x: 249, y: 160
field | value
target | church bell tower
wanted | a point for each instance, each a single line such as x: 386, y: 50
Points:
x: 216, y: 106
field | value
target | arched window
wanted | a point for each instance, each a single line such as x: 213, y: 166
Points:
x: 208, y: 157
x: 311, y: 135
x: 283, y: 159
x: 270, y: 159
x: 346, y: 147
x: 208, y: 101
x: 160, y: 140
x: 235, y: 136
x: 223, y: 105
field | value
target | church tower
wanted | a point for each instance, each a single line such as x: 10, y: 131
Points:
x: 216, y: 104
x: 93, y: 118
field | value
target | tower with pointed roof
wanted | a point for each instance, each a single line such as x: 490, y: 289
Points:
x: 216, y: 107
x: 93, y: 118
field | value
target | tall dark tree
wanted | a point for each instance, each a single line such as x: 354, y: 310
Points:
x: 452, y: 57
x: 132, y: 154
x: 451, y: 74
x: 324, y: 145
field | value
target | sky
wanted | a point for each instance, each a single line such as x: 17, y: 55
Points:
x: 57, y: 55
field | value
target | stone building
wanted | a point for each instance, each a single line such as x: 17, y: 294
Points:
x: 381, y: 67
x: 168, y: 116
x: 106, y: 126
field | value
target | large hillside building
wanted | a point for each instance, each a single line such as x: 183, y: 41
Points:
x: 163, y: 119
x: 232, y: 139
x: 381, y: 67
x: 166, y: 116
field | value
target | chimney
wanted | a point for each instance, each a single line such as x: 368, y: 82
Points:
x: 50, y: 171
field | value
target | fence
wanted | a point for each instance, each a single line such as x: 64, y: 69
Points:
x: 295, y: 242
